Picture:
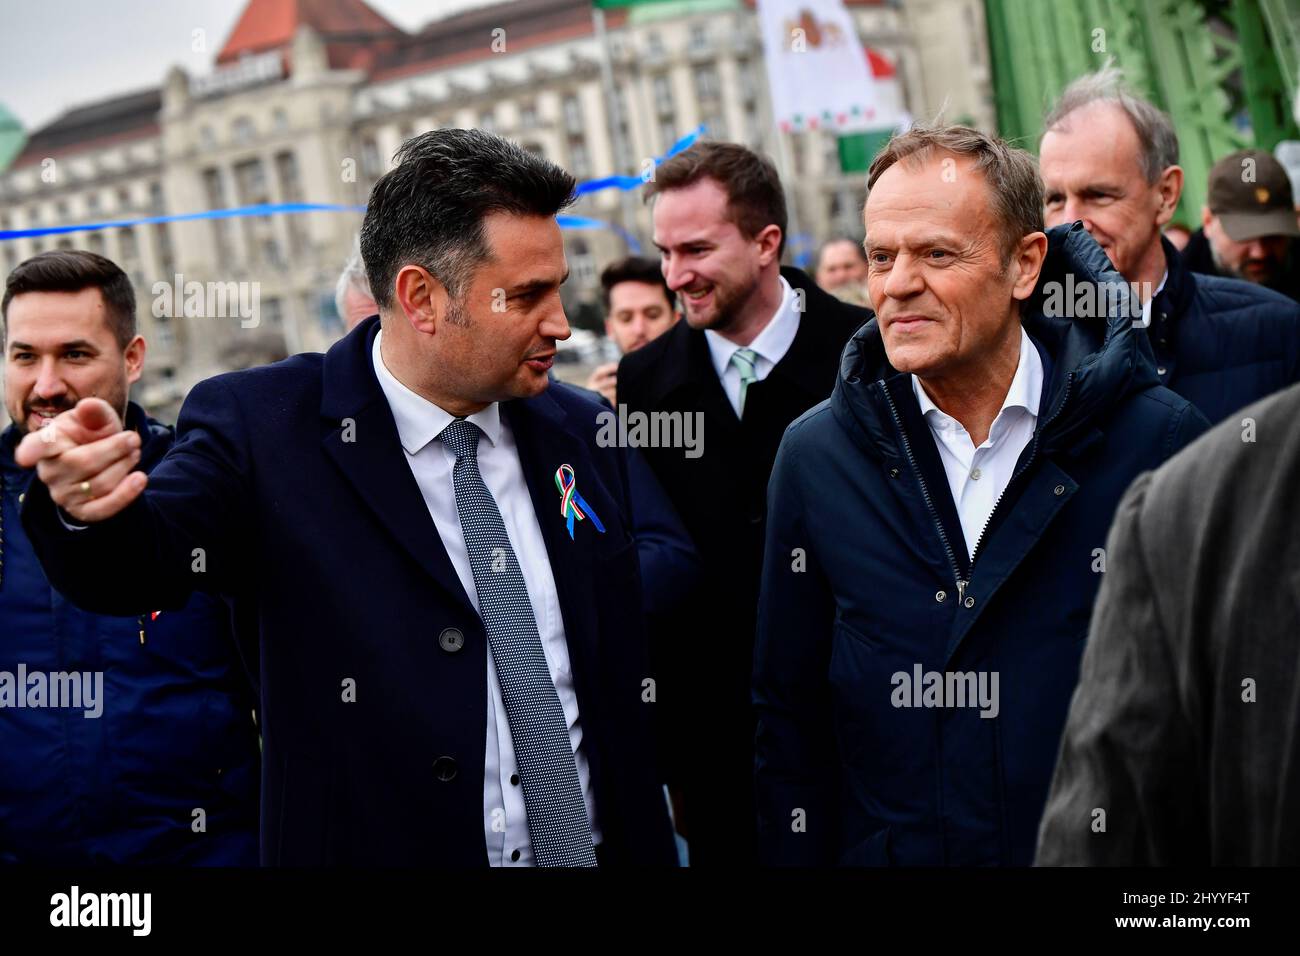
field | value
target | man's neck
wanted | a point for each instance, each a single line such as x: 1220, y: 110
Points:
x: 975, y: 395
x: 391, y: 354
x: 757, y: 312
x: 1150, y: 271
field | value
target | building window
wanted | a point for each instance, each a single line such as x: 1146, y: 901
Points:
x: 707, y: 84
x: 654, y: 44
x: 215, y: 191
x: 579, y: 160
x: 162, y: 241
x: 124, y: 198
x: 95, y: 243
x: 207, y: 138
x: 156, y: 202
x: 667, y: 132
x: 370, y: 162
x: 528, y: 116
x: 126, y: 243
x: 92, y: 204
x: 280, y: 121
x: 250, y: 180
x: 286, y: 171
x: 699, y: 41
x: 241, y: 130
x: 61, y: 211
x: 487, y: 121
x: 582, y: 263
x: 746, y: 79
x: 663, y: 94
x: 572, y: 115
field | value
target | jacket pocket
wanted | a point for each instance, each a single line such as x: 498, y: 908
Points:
x: 871, y: 643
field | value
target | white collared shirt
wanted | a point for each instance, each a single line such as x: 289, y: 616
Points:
x: 978, y: 476
x: 419, y: 422
x: 1146, y: 306
x: 770, y: 345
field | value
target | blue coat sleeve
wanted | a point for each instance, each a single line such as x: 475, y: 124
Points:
x: 796, y: 764
x: 189, y: 531
x: 669, y: 566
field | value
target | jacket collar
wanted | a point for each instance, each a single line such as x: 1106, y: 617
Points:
x: 1180, y: 284
x: 1093, y: 364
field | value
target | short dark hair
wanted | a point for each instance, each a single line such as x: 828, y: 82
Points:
x: 71, y: 270
x: 634, y: 269
x: 755, y: 199
x: 429, y: 209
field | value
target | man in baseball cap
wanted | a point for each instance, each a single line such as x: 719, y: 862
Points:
x: 1249, y: 225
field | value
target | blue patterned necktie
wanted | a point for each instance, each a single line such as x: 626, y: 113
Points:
x: 744, y: 360
x: 557, y: 816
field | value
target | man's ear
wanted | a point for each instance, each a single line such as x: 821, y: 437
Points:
x: 1027, y: 264
x: 420, y: 297
x: 769, y: 243
x: 133, y: 357
x: 1170, y: 186
x: 1206, y: 217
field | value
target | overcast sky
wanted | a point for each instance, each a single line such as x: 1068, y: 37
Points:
x: 55, y: 54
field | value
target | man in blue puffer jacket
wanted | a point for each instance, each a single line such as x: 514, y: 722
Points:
x: 122, y: 740
x: 938, y: 525
x: 1109, y: 159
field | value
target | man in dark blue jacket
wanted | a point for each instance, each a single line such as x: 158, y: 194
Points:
x: 936, y: 527
x: 435, y: 545
x: 122, y: 739
x: 1110, y: 160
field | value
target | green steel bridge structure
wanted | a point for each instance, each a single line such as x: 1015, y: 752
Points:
x: 1226, y: 71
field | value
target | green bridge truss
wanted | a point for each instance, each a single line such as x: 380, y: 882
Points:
x: 1226, y: 71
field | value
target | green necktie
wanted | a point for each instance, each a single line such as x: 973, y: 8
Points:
x: 744, y: 360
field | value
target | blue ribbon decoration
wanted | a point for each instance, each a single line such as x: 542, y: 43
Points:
x: 624, y: 183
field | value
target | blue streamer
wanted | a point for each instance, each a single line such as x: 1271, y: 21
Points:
x: 628, y: 183
x: 622, y: 183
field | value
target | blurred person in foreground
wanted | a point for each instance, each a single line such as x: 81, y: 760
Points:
x: 1249, y: 227
x: 435, y: 546
x: 1110, y: 160
x: 639, y: 307
x: 160, y: 764
x: 930, y: 562
x: 1182, y: 747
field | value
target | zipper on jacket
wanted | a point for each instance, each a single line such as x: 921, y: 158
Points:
x: 963, y: 583
x: 925, y: 493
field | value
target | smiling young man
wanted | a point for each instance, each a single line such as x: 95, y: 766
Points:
x: 1109, y: 159
x: 171, y: 727
x: 932, y: 556
x: 435, y: 547
x: 759, y: 345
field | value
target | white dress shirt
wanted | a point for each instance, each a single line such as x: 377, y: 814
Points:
x: 770, y: 345
x: 419, y: 422
x: 978, y: 476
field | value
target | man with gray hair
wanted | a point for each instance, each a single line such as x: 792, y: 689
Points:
x: 353, y: 299
x: 1110, y: 160
x: 931, y: 552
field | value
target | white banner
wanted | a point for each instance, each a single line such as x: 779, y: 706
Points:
x: 817, y: 68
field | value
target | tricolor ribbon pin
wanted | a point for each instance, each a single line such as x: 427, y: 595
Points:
x: 572, y: 505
